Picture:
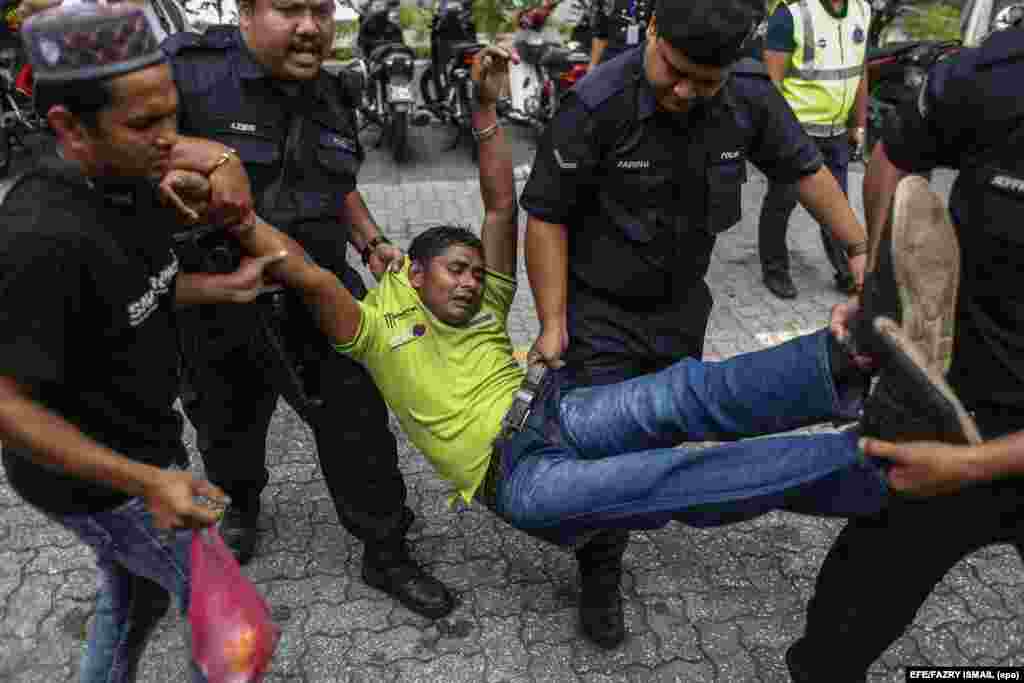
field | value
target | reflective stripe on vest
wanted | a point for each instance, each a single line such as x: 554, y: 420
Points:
x: 826, y: 66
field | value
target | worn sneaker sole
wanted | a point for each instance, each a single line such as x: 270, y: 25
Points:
x: 926, y: 267
x: 912, y: 402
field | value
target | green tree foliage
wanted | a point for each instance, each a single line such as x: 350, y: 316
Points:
x: 937, y: 21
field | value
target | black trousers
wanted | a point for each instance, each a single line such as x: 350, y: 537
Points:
x: 881, y: 569
x: 230, y: 401
x: 781, y: 200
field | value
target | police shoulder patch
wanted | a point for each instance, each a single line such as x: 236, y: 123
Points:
x: 748, y: 66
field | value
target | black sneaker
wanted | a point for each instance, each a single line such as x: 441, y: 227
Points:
x: 911, y: 401
x: 914, y: 277
x: 239, y: 529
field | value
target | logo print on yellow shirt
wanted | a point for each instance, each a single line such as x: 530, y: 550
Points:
x: 415, y: 332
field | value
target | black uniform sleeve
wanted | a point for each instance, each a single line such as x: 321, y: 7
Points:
x: 779, y: 148
x: 564, y: 165
x: 600, y: 20
x: 41, y: 287
x: 929, y: 131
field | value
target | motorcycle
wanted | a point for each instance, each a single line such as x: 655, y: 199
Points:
x: 18, y: 118
x: 446, y: 85
x: 896, y: 74
x: 546, y: 70
x: 386, y: 65
x: 980, y: 18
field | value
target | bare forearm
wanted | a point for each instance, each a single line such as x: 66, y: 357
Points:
x: 497, y: 185
x: 998, y: 458
x: 363, y: 227
x: 880, y: 183
x: 50, y: 440
x: 547, y: 263
x: 336, y: 311
x: 821, y: 195
x: 859, y: 113
x: 597, y: 48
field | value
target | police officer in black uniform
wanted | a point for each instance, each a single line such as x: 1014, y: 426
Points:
x: 970, y: 116
x: 633, y: 180
x: 618, y: 26
x: 260, y: 89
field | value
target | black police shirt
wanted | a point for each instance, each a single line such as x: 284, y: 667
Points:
x: 643, y: 194
x: 87, y: 281
x: 970, y: 117
x: 297, y: 140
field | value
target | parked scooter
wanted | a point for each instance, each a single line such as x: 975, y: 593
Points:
x: 387, y: 64
x: 896, y: 74
x: 546, y: 69
x: 18, y: 118
x: 446, y: 84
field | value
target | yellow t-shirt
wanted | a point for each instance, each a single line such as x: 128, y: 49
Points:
x: 449, y: 386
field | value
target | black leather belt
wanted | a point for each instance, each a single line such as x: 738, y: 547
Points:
x: 511, y: 424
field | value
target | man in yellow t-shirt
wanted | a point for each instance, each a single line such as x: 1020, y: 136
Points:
x: 434, y: 337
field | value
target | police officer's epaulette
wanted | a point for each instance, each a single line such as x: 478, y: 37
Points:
x: 748, y: 66
x: 593, y: 92
x: 1002, y: 46
x: 214, y: 38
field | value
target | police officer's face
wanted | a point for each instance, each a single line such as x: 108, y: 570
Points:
x: 677, y: 81
x: 133, y: 136
x: 452, y: 285
x: 290, y: 38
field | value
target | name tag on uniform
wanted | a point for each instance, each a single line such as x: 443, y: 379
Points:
x: 632, y: 34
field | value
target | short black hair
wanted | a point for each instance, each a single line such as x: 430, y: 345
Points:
x: 85, y: 98
x: 709, y: 32
x: 435, y: 241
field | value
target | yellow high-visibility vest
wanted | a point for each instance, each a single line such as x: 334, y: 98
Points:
x: 827, y: 64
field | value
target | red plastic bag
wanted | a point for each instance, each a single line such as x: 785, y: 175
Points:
x: 233, y: 636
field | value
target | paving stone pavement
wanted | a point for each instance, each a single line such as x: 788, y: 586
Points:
x: 701, y: 605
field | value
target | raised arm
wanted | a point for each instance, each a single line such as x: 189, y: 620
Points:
x: 500, y: 230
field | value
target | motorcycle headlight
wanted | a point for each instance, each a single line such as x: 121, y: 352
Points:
x: 914, y: 78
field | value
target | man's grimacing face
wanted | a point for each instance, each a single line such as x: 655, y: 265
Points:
x: 290, y: 38
x: 451, y: 286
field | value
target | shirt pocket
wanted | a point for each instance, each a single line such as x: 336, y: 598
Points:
x: 337, y: 149
x: 724, y: 191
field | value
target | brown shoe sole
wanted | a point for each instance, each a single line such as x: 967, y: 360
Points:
x: 931, y: 388
x: 926, y: 266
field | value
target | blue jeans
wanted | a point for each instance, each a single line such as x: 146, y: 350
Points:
x: 139, y: 569
x: 604, y: 457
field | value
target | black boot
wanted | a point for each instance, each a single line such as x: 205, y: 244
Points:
x: 601, y: 608
x: 239, y: 528
x: 390, y: 568
x: 600, y: 564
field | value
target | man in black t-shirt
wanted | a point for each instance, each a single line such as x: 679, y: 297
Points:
x: 88, y: 289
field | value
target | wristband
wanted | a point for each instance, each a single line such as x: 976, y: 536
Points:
x: 856, y: 249
x: 487, y: 133
x: 371, y: 246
